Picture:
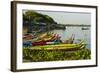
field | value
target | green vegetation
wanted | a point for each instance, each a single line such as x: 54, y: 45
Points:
x: 37, y: 17
x: 30, y: 55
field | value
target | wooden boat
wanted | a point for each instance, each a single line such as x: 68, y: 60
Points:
x: 27, y: 36
x: 48, y: 42
x: 85, y: 28
x: 60, y: 47
x: 51, y: 40
x: 27, y: 43
x: 47, y: 36
x: 55, y: 39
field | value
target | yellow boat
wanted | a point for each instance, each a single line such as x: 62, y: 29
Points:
x: 60, y: 47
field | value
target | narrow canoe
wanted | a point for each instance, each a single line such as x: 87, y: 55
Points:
x: 60, y: 47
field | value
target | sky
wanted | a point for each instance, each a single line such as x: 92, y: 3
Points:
x: 68, y: 17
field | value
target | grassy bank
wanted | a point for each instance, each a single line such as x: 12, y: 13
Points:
x: 30, y: 55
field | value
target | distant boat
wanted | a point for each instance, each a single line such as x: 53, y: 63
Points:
x: 85, y: 28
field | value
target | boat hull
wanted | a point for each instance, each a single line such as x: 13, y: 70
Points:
x: 59, y: 47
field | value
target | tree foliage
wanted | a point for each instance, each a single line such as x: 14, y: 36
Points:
x: 36, y: 17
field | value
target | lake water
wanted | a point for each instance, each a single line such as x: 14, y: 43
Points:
x: 78, y: 32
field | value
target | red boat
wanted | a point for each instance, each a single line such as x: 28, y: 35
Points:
x: 38, y: 43
x: 46, y: 42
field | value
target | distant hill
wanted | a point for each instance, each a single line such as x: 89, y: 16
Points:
x: 34, y: 21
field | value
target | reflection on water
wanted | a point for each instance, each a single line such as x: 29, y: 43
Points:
x: 78, y: 32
